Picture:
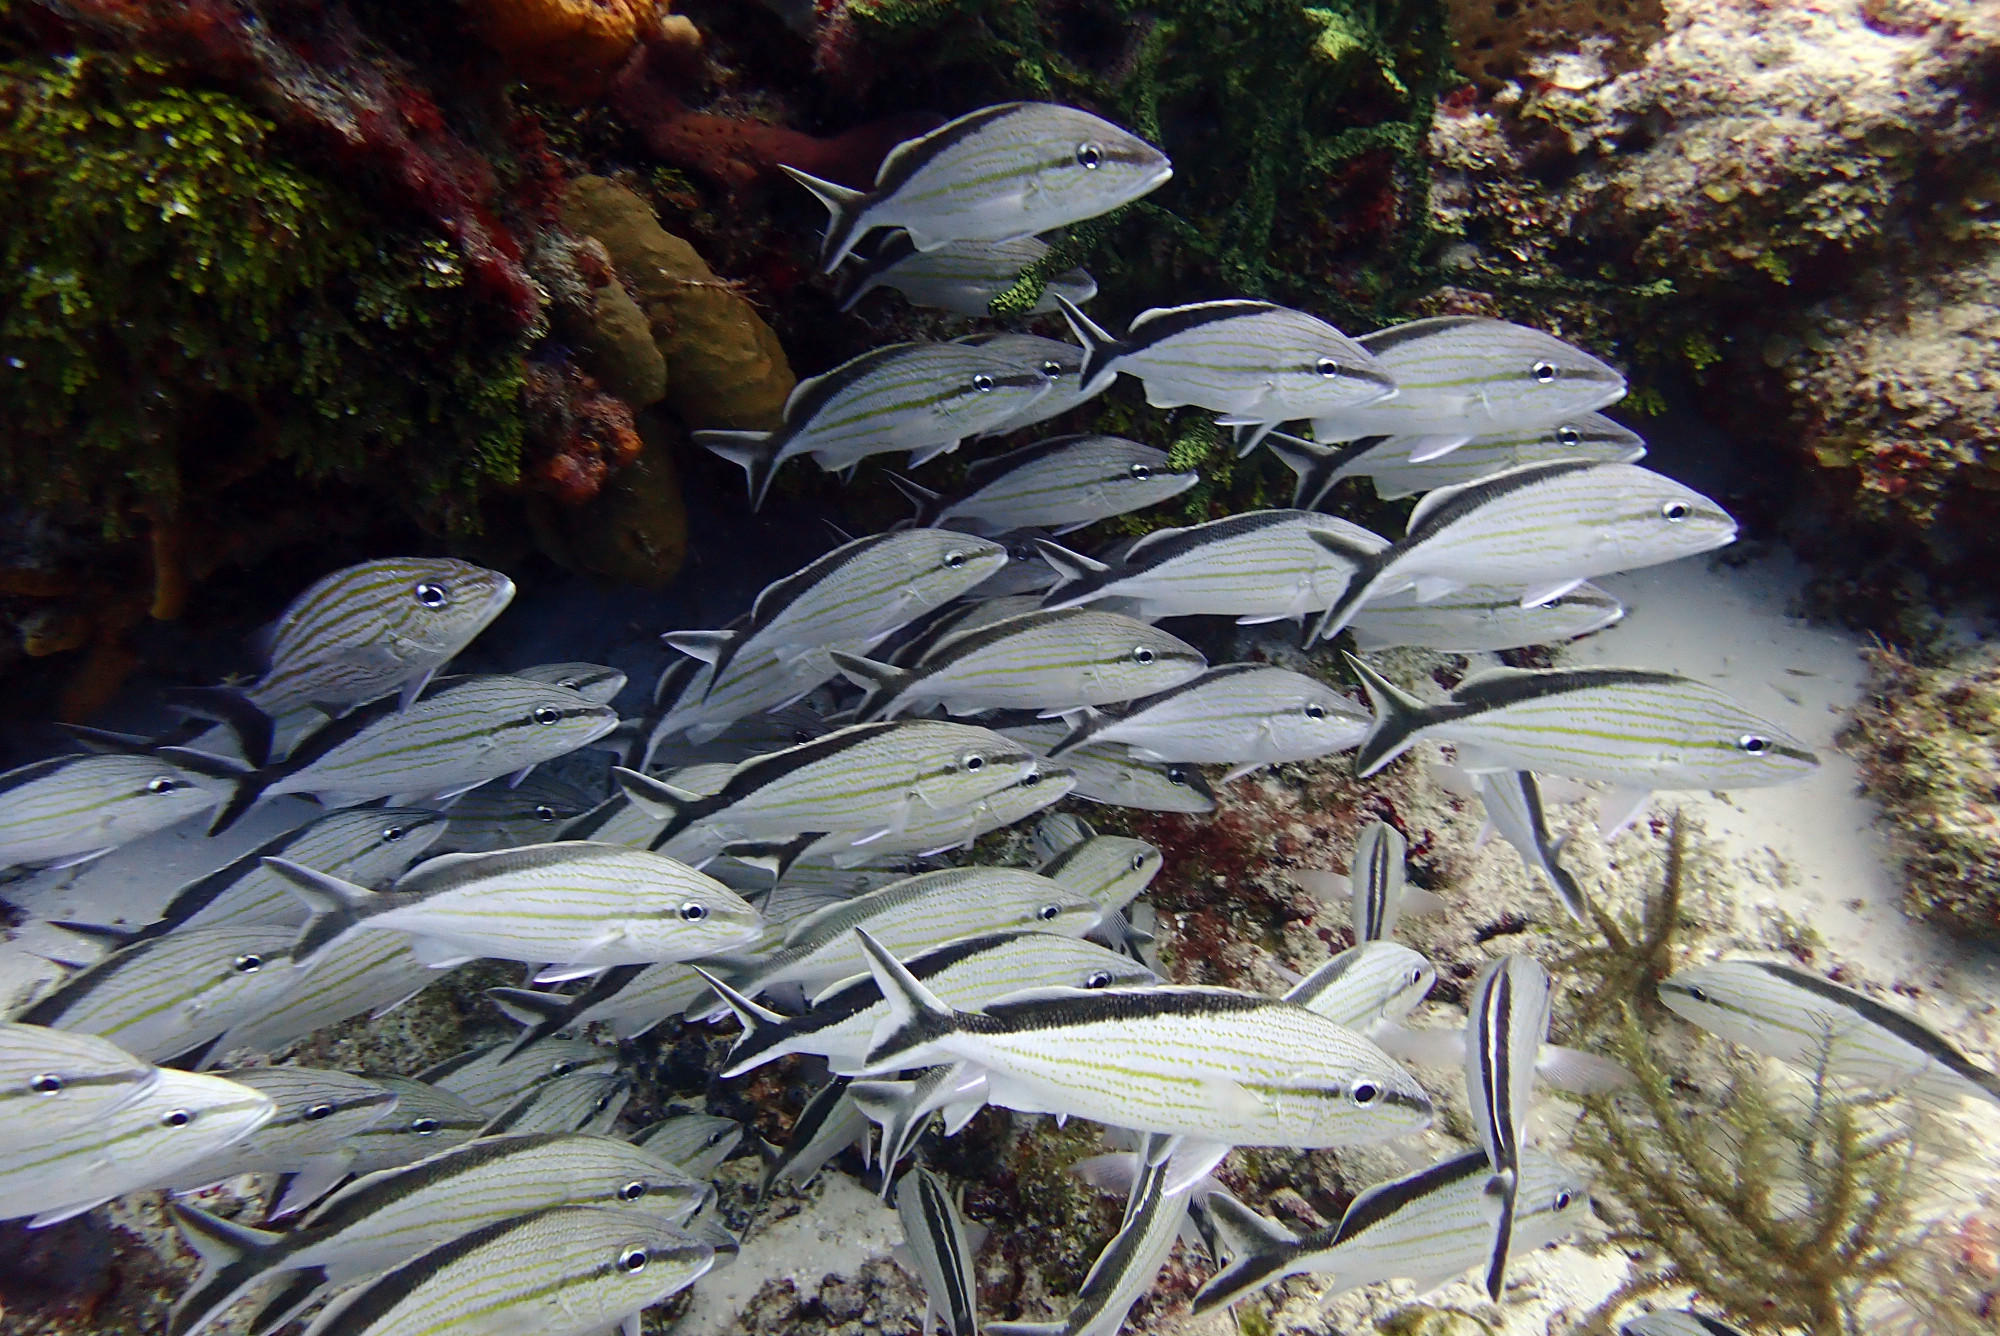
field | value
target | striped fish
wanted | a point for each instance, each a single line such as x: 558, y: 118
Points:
x: 172, y: 995
x: 921, y: 397
x: 1209, y: 1063
x: 1110, y: 869
x: 426, y: 1120
x: 1377, y: 891
x: 375, y: 629
x: 1482, y: 618
x: 492, y: 1076
x: 1513, y: 800
x: 1154, y: 1214
x: 1676, y: 1322
x: 997, y: 174
x: 386, y: 1218
x: 1059, y: 484
x: 580, y: 1102
x: 363, y: 846
x: 1244, y: 715
x: 69, y: 809
x: 460, y: 733
x: 593, y: 681
x: 502, y: 814
x: 317, y: 1111
x: 1426, y: 1227
x: 1072, y: 656
x: 1252, y: 360
x: 708, y: 706
x: 51, y: 1076
x: 870, y: 779
x: 356, y: 972
x: 937, y: 830
x: 1259, y: 566
x: 1542, y: 529
x: 967, y: 973
x: 859, y: 591
x: 962, y: 277
x: 1385, y: 460
x: 1111, y: 774
x: 69, y: 1164
x: 1461, y: 376
x: 697, y: 1143
x: 938, y: 1248
x: 914, y: 915
x: 1784, y: 1012
x: 577, y: 902
x: 828, y: 1125
x: 903, y: 1109
x: 1627, y: 726
x: 630, y: 999
x: 1367, y: 986
x: 1026, y: 572
x: 912, y: 644
x: 1061, y: 363
x: 566, y: 1271
x: 1507, y: 1023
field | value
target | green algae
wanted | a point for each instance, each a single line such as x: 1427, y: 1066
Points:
x: 177, y: 289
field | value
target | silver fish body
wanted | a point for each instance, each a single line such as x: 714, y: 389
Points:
x: 1111, y: 774
x: 357, y: 972
x: 168, y: 995
x: 697, y: 1143
x: 1784, y: 1012
x: 1026, y: 572
x: 492, y: 1076
x: 1240, y: 714
x: 935, y: 830
x: 67, y: 808
x: 1064, y: 658
x: 317, y: 1112
x: 1366, y: 985
x: 593, y: 681
x: 997, y: 174
x: 1507, y: 1023
x: 1251, y: 360
x: 1464, y: 376
x: 364, y: 846
x: 967, y: 973
x: 1513, y: 801
x: 373, y: 629
x: 1262, y: 565
x: 1110, y: 869
x: 1676, y: 1322
x: 1385, y: 460
x: 501, y: 814
x: 425, y: 1121
x: 1210, y: 1063
x: 565, y: 1271
x: 921, y: 397
x: 1426, y: 1227
x: 914, y: 643
x: 1060, y: 363
x: 938, y: 1250
x: 1542, y: 529
x: 1626, y: 726
x: 588, y: 1102
x: 1059, y: 484
x: 962, y: 277
x: 1482, y: 619
x: 53, y: 1079
x: 630, y: 999
x: 176, y: 1119
x: 748, y: 686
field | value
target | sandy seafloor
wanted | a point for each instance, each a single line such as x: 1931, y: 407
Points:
x: 1805, y: 858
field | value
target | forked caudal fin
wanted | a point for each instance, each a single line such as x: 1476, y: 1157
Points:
x: 916, y: 1016
x: 879, y: 682
x: 233, y: 1257
x: 844, y: 207
x: 756, y: 452
x: 1369, y: 568
x: 1258, y: 1249
x: 1070, y: 566
x: 1398, y: 716
x: 1100, y: 347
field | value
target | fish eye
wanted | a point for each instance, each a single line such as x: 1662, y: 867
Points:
x: 1416, y: 976
x: 982, y: 382
x: 314, y: 1112
x: 717, y: 1137
x: 973, y: 761
x: 1673, y: 512
x: 1753, y: 744
x: 176, y: 1118
x: 1100, y: 979
x: 1048, y: 912
x: 1698, y: 994
x: 1142, y: 655
x: 249, y: 964
x: 164, y: 784
x: 48, y: 1083
x: 423, y: 1127
x: 1568, y: 435
x: 1052, y: 369
x: 632, y: 1191
x: 1138, y: 861
x: 564, y: 1068
x: 547, y: 714
x: 1543, y: 372
x: 1563, y: 1200
x: 1315, y: 711
x: 1366, y: 1093
x: 1327, y: 367
x: 694, y: 911
x: 954, y: 559
x: 1176, y: 774
x: 569, y: 684
x: 390, y: 834
x: 1141, y: 472
x: 1088, y: 156
x: 432, y: 595
x: 544, y: 812
x: 1032, y: 778
x: 632, y: 1261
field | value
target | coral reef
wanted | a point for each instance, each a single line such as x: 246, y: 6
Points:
x: 569, y: 47
x: 632, y: 528
x: 1927, y: 739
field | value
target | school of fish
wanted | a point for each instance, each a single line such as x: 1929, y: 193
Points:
x: 767, y: 849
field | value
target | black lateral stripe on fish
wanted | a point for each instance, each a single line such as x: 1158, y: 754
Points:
x: 1905, y: 1027
x: 1491, y: 1044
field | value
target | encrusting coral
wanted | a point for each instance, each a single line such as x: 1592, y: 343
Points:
x: 1927, y: 740
x: 569, y: 47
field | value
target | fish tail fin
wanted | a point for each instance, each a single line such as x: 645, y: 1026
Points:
x: 1247, y: 436
x: 1368, y: 567
x: 231, y: 708
x: 916, y: 1016
x: 336, y: 905
x: 663, y: 801
x: 1100, y: 345
x: 897, y: 1107
x: 844, y: 208
x: 1398, y: 716
x: 1503, y: 1185
x: 288, y: 1302
x: 1568, y: 889
x: 538, y: 1014
x: 761, y: 1026
x: 755, y: 452
x: 1259, y: 1251
x: 879, y: 682
x: 1083, y: 722
x: 232, y: 1257
x: 1070, y: 566
x: 1025, y: 1328
x: 920, y: 496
